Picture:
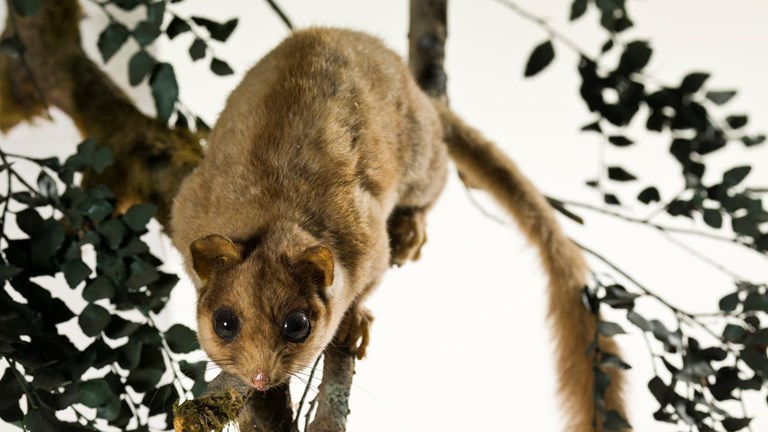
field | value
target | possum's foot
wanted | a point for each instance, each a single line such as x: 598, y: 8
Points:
x: 407, y: 234
x: 354, y: 331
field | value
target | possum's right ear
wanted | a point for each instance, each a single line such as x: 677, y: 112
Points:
x: 213, y: 253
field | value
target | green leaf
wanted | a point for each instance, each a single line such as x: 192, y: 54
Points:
x: 615, y: 422
x: 111, y: 39
x: 218, y: 31
x: 736, y: 121
x: 220, y: 67
x: 720, y: 97
x: 613, y: 361
x: 102, y: 158
x: 756, y: 302
x: 146, y: 32
x: 734, y: 333
x: 97, y: 210
x: 29, y: 221
x: 156, y: 12
x: 734, y: 176
x: 139, y: 67
x: 578, y: 7
x: 753, y: 141
x: 620, y: 141
x: 607, y: 328
x: 540, y: 58
x: 693, y: 82
x: 12, y: 390
x: 75, y: 272
x: 620, y: 174
x: 639, y: 321
x: 8, y: 271
x: 127, y: 4
x: 181, y: 339
x: 113, y: 231
x: 197, y: 49
x: 143, y: 380
x: 41, y: 419
x: 729, y: 302
x: 611, y: 199
x: 94, y: 393
x: 47, y: 187
x: 110, y: 410
x: 141, y: 273
x: 119, y: 327
x: 649, y: 195
x: 98, y: 288
x: 165, y: 90
x: 138, y: 216
x: 635, y: 57
x: 732, y: 424
x: 176, y: 27
x: 713, y: 218
x: 26, y: 7
x: 47, y: 241
x: 129, y: 354
x: 161, y: 399
x: 93, y: 319
x: 194, y: 371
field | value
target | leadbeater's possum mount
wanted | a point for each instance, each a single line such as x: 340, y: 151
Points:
x: 317, y: 178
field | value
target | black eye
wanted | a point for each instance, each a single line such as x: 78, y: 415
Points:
x: 296, y: 327
x: 226, y: 324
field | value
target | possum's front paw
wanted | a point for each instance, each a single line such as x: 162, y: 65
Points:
x: 407, y: 234
x: 354, y: 331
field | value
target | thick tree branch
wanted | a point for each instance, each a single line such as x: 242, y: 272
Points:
x: 333, y: 403
x: 426, y: 53
x: 150, y: 159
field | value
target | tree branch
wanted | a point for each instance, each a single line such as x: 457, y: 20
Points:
x: 426, y: 50
x: 151, y: 160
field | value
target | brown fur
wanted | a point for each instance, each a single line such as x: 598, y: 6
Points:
x: 329, y: 142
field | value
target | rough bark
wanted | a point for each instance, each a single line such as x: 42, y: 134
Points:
x: 333, y: 404
x: 426, y: 49
x: 151, y: 160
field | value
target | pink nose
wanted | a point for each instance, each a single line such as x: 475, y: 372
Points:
x: 260, y: 381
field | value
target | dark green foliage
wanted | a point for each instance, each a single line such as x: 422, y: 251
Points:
x: 220, y: 67
x: 165, y: 90
x: 540, y: 58
x: 112, y: 39
x: 218, y: 31
x: 125, y: 279
x: 197, y: 49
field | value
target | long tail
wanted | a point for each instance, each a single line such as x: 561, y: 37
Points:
x: 483, y: 165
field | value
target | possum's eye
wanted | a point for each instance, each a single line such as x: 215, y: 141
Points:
x: 296, y: 327
x: 226, y: 324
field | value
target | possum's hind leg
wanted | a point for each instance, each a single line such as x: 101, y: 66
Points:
x: 407, y: 234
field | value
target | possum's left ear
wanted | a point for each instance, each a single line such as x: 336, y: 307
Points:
x: 316, y: 264
x: 213, y: 253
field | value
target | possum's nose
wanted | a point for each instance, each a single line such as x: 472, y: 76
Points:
x: 260, y: 381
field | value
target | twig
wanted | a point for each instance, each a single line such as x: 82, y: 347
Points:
x: 699, y: 255
x: 310, y: 409
x: 306, y: 391
x: 553, y: 33
x: 653, y: 224
x: 281, y: 14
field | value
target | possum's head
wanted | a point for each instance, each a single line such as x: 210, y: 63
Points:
x: 267, y: 308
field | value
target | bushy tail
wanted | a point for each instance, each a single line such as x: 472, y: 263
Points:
x: 483, y: 165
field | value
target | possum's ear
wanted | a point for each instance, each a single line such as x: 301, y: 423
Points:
x: 316, y: 264
x: 213, y: 253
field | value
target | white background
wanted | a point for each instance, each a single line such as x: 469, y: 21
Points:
x: 460, y: 340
